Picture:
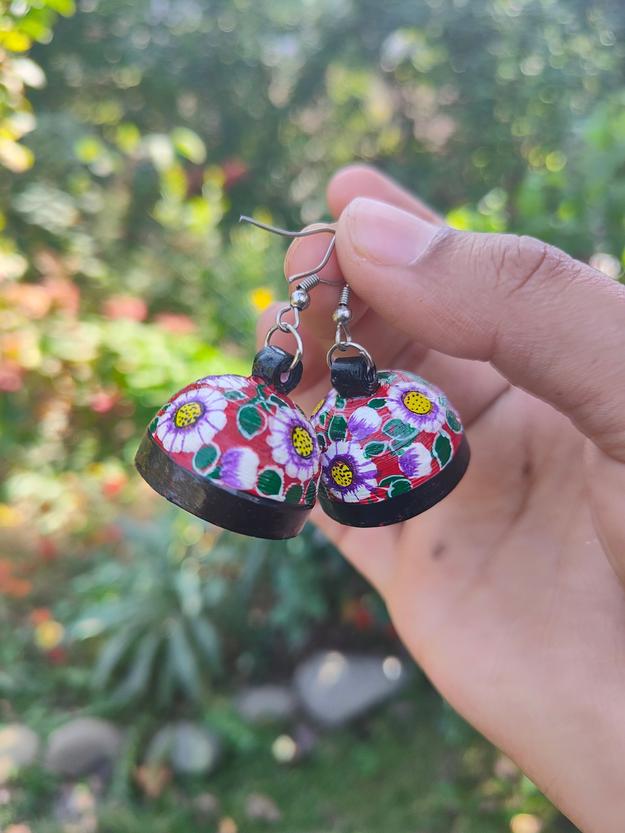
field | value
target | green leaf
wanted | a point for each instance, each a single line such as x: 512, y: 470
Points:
x: 399, y: 487
x: 322, y: 417
x: 250, y: 421
x: 376, y: 403
x: 453, y: 422
x: 269, y: 482
x: 397, y: 429
x: 388, y: 481
x: 152, y: 425
x: 311, y: 492
x: 276, y: 400
x: 115, y: 648
x: 205, y: 458
x: 188, y: 144
x: 294, y: 493
x: 339, y: 402
x: 442, y: 449
x: 373, y: 449
x: 185, y: 665
x: 189, y: 591
x: 136, y: 681
x: 321, y: 441
x: 234, y: 394
x: 215, y: 473
x: 337, y: 428
x: 206, y: 637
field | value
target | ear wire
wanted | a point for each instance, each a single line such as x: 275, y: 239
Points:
x: 309, y: 232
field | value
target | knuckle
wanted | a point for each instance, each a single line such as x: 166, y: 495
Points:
x: 522, y: 261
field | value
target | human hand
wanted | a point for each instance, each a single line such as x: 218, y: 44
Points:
x: 503, y: 592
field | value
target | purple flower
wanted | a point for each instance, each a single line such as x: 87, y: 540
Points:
x: 347, y: 473
x: 293, y: 443
x: 238, y: 468
x: 416, y: 461
x: 191, y: 419
x: 418, y: 404
x: 363, y: 422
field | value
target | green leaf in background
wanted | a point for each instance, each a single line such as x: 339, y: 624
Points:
x: 185, y: 666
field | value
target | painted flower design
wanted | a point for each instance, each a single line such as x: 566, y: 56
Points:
x: 363, y: 422
x: 191, y: 419
x: 347, y: 474
x: 226, y: 381
x: 416, y: 461
x: 238, y: 468
x: 293, y: 443
x: 417, y: 404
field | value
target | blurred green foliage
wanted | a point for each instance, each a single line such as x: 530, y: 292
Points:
x: 132, y: 135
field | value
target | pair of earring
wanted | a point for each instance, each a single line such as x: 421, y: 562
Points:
x: 381, y: 447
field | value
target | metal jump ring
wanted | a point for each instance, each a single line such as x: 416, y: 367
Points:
x: 345, y: 345
x: 288, y: 328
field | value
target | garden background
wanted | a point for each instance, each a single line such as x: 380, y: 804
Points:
x: 132, y: 135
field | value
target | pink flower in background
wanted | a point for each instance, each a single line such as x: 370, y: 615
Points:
x: 175, y: 322
x: 125, y: 306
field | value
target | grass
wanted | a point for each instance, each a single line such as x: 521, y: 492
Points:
x: 414, y: 767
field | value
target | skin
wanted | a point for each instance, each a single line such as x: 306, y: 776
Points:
x: 509, y: 592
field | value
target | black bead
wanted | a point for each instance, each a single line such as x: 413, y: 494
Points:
x: 231, y: 509
x: 273, y: 364
x: 353, y: 376
x: 404, y: 506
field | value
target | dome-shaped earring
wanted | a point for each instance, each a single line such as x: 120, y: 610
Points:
x: 391, y: 443
x: 236, y: 450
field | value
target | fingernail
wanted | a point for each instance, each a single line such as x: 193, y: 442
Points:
x: 385, y: 234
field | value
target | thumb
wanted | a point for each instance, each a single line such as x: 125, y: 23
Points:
x: 550, y: 324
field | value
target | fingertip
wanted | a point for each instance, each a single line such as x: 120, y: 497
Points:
x: 350, y: 182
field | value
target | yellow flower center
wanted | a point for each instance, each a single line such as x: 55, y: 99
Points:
x: 341, y: 473
x: 302, y: 441
x: 187, y: 414
x: 416, y: 402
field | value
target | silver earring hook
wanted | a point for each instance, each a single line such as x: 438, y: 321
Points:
x: 324, y: 229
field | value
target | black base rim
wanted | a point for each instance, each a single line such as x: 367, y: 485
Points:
x: 400, y: 508
x: 227, y: 508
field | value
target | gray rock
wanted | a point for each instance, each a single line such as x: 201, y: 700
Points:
x: 189, y: 748
x: 335, y: 688
x: 75, y: 809
x: 266, y: 703
x: 19, y: 747
x: 82, y: 746
x: 259, y: 807
x: 207, y: 805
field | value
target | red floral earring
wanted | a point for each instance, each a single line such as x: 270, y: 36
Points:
x: 391, y: 443
x: 236, y: 450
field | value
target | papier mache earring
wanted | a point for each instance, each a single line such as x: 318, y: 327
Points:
x: 391, y: 444
x: 236, y: 450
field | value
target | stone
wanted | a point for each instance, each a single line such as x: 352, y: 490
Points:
x: 75, y: 809
x: 83, y: 746
x: 19, y: 747
x: 266, y: 703
x: 189, y: 748
x: 335, y: 688
x: 207, y: 805
x: 259, y: 807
